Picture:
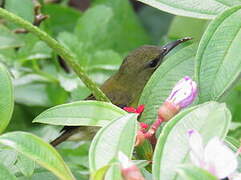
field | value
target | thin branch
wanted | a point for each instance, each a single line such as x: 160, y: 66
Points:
x: 59, y: 49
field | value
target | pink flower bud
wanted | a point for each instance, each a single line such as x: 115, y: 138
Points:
x: 128, y: 168
x: 183, y: 93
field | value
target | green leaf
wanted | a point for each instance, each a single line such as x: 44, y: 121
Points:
x: 41, y: 85
x: 84, y: 113
x: 207, y: 9
x: 95, y: 27
x: 71, y: 42
x: 8, y: 39
x: 33, y: 49
x: 162, y: 81
x: 141, y: 163
x: 40, y: 176
x: 100, y: 173
x: 38, y: 150
x: 129, y: 32
x: 6, y: 98
x: 24, y: 94
x: 119, y: 135
x: 185, y: 26
x: 99, y: 65
x: 75, y: 154
x: 61, y: 18
x: 8, y: 157
x: 172, y: 149
x: 230, y: 3
x: 189, y: 172
x: 23, y: 8
x: 105, y: 60
x: 219, y: 56
x: 6, y: 174
x: 25, y: 165
x: 234, y: 145
x: 231, y: 100
x: 144, y: 151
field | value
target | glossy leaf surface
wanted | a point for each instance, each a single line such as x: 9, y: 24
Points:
x: 38, y: 150
x: 219, y: 56
x: 84, y: 113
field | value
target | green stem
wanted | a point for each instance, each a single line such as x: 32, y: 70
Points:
x: 59, y: 49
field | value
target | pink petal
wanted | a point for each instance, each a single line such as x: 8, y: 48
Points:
x: 197, y: 150
x: 219, y: 158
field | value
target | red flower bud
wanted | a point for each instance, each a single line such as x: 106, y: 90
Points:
x: 137, y: 110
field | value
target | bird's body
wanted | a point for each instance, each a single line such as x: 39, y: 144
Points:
x: 124, y: 88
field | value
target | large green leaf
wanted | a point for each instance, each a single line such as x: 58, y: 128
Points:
x: 95, y: 27
x: 6, y: 98
x: 230, y: 3
x: 219, y: 56
x: 185, y: 26
x: 99, y: 65
x: 117, y: 136
x: 210, y: 119
x: 25, y: 165
x: 129, y: 33
x: 38, y: 150
x: 189, y: 172
x: 207, y: 9
x: 5, y: 174
x: 84, y: 113
x: 92, y: 26
x: 8, y: 158
x: 233, y: 104
x: 45, y: 93
x: 22, y: 8
x: 33, y: 49
x: 162, y: 81
x: 8, y: 39
x: 61, y: 18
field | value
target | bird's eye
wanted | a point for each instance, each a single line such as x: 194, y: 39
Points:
x: 153, y: 63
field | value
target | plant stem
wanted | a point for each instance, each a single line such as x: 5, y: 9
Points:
x: 59, y: 49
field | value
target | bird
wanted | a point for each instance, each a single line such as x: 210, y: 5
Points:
x: 125, y: 86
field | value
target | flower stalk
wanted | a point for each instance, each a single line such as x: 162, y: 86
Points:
x: 182, y: 95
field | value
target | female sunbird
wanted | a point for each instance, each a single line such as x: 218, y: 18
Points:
x: 124, y: 88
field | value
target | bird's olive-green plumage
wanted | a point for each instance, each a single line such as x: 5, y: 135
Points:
x: 124, y: 87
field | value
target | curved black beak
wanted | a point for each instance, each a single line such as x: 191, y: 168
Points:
x: 167, y: 48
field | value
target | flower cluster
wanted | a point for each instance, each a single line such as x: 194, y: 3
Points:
x: 182, y: 95
x: 215, y: 157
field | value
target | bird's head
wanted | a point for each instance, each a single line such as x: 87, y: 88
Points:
x: 141, y: 63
